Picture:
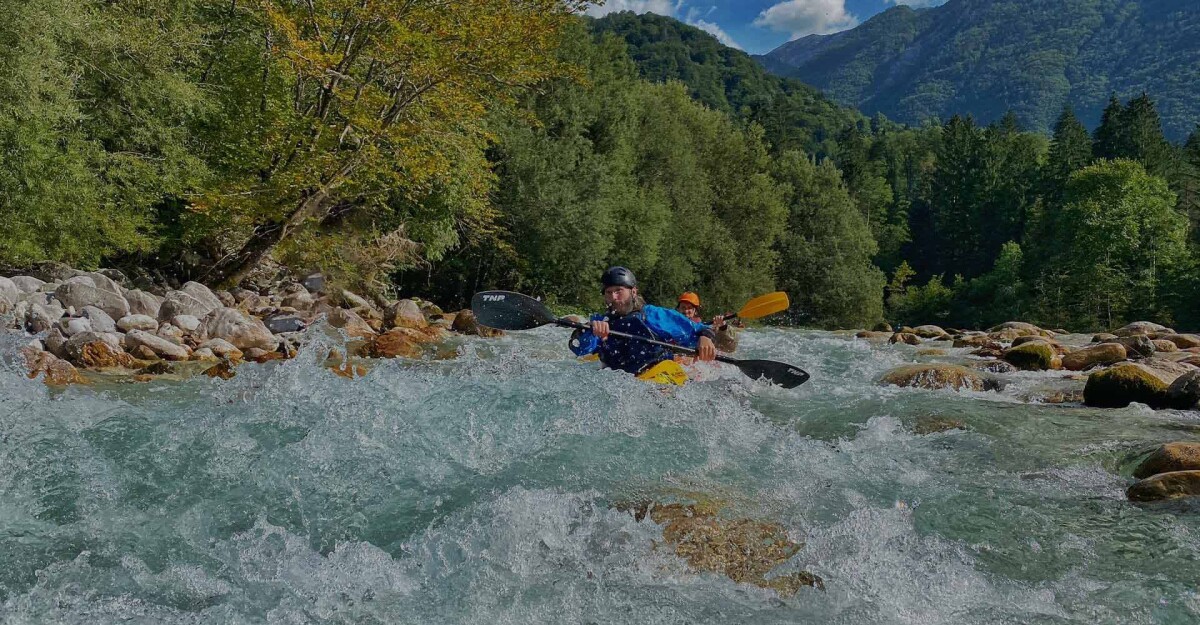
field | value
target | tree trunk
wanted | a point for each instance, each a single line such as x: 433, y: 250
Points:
x: 232, y: 269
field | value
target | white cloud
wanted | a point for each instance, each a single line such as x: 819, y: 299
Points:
x: 807, y: 17
x: 715, y: 31
x: 919, y: 3
x: 661, y: 7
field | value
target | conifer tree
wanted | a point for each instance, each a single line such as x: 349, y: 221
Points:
x: 1108, y: 141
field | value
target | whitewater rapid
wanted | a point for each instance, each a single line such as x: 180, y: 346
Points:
x: 484, y: 489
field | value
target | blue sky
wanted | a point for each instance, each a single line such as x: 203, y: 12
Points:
x: 759, y: 26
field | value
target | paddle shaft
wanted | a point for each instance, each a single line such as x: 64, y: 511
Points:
x: 671, y: 346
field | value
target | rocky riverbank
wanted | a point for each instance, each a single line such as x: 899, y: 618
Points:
x: 1142, y: 363
x: 80, y: 322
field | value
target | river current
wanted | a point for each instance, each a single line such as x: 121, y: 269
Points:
x: 485, y: 489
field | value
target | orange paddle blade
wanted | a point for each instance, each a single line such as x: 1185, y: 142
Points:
x: 764, y: 305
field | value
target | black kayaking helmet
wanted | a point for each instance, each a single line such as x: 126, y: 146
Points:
x: 617, y: 276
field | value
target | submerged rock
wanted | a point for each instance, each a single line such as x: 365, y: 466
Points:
x: 1168, y: 458
x: 907, y: 338
x: 931, y: 424
x: 54, y: 371
x: 1165, y: 486
x: 743, y: 550
x: 929, y: 332
x: 465, y: 322
x: 992, y: 366
x: 938, y: 376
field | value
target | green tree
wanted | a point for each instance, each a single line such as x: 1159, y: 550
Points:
x: 1070, y: 150
x: 94, y: 110
x: 1125, y: 237
x: 825, y: 254
x: 1109, y: 140
x: 344, y: 107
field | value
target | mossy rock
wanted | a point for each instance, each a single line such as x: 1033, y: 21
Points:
x: 1102, y: 353
x: 1034, y: 356
x: 1166, y: 486
x: 937, y: 376
x: 1169, y: 458
x: 1123, y: 384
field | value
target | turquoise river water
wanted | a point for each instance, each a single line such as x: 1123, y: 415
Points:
x: 482, y: 490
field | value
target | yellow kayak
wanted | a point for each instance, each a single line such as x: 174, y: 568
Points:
x: 666, y: 372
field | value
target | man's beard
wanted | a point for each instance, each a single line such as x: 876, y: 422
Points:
x: 624, y: 309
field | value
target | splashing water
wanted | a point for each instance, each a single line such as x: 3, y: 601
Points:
x: 484, y: 490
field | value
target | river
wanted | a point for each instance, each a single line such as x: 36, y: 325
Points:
x: 485, y: 489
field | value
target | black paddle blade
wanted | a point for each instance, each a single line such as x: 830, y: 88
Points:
x: 780, y: 373
x: 505, y: 310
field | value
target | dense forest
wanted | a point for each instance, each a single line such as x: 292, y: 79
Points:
x: 407, y: 148
x: 989, y: 57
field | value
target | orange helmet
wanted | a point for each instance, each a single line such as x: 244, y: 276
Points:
x: 690, y: 298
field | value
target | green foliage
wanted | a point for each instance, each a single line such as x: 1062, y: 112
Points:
x: 93, y: 111
x: 793, y: 115
x: 916, y: 305
x: 825, y: 255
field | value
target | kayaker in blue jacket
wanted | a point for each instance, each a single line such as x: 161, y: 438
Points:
x: 629, y: 313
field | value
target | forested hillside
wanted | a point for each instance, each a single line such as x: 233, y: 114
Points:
x: 392, y: 147
x: 987, y: 57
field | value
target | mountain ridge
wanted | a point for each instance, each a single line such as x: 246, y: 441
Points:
x: 984, y: 57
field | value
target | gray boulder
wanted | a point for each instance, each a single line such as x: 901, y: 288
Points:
x: 1141, y: 328
x: 192, y: 299
x: 10, y: 294
x: 170, y: 333
x: 71, y: 326
x: 241, y: 331
x: 42, y: 317
x: 1136, y: 346
x: 314, y: 282
x: 74, y: 345
x: 404, y: 314
x: 143, y: 303
x: 222, y: 349
x: 28, y: 284
x: 56, y: 343
x: 1184, y: 392
x: 100, y: 320
x: 279, y: 324
x: 187, y: 323
x: 77, y: 295
x: 137, y: 322
x: 159, y: 346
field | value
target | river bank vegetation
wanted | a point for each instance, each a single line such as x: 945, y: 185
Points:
x: 407, y: 149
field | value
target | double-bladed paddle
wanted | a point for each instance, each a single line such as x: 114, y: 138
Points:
x: 762, y: 306
x: 506, y: 310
